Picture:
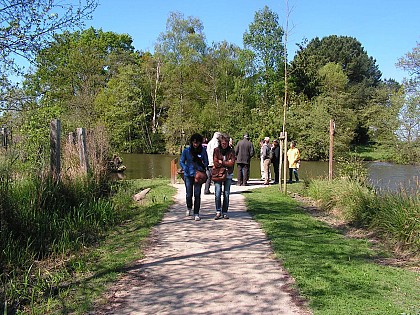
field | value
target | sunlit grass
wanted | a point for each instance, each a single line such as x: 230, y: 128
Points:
x: 373, y: 153
x: 337, y: 275
x: 87, y: 254
x: 394, y: 216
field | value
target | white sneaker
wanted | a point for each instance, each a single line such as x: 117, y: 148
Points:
x: 188, y: 213
x: 197, y: 218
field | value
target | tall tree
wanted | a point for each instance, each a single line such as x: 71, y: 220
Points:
x: 223, y: 110
x: 409, y: 114
x: 343, y: 50
x: 182, y: 48
x: 73, y: 69
x: 361, y: 70
x: 264, y: 40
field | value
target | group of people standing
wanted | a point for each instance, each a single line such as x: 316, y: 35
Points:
x: 219, y: 156
x: 270, y: 154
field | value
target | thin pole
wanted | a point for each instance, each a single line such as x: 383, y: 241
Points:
x: 285, y: 163
x: 330, y: 161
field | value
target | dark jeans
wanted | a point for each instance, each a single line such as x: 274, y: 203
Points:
x: 291, y: 172
x: 243, y: 173
x: 218, y: 195
x: 208, y: 182
x: 190, y: 188
x: 276, y: 171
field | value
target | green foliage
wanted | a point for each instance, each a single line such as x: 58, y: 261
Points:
x: 336, y: 274
x: 26, y: 27
x: 61, y: 282
x: 264, y: 40
x: 398, y: 218
x: 154, y: 102
x: 352, y: 168
x: 72, y: 70
x: 394, y: 216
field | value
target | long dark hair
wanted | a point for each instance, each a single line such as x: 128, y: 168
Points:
x: 196, y: 151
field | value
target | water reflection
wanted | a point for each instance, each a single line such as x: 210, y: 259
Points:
x: 385, y: 176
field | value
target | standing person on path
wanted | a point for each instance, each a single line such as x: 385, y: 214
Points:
x: 223, y: 156
x: 213, y: 143
x: 193, y: 158
x: 244, y: 151
x: 266, y: 159
x: 293, y: 156
x: 275, y: 160
x: 262, y: 160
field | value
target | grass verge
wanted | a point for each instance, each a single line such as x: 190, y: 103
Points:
x: 337, y: 275
x: 86, y: 275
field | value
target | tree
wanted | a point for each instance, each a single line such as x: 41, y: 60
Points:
x: 73, y: 69
x: 182, y: 48
x: 264, y: 40
x: 27, y: 26
x: 411, y: 62
x: 409, y: 115
x: 123, y: 109
x: 361, y: 71
x: 224, y: 109
x: 342, y: 50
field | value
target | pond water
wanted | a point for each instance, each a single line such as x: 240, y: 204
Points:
x: 385, y: 176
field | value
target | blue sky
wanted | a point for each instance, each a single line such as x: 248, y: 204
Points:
x: 387, y: 29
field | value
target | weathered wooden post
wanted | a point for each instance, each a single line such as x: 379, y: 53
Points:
x: 330, y: 161
x: 81, y: 141
x: 55, y: 132
x: 174, y: 170
x: 71, y: 138
x: 4, y: 138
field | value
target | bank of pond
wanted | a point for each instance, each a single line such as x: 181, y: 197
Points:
x: 382, y: 175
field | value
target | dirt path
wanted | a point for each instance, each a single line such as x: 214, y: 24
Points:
x: 206, y: 267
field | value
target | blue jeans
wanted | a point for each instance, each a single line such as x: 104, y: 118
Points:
x: 295, y: 172
x: 218, y: 195
x: 191, y: 187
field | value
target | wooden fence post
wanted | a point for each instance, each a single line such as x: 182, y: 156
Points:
x: 81, y: 141
x: 4, y: 137
x: 174, y: 170
x: 55, y: 132
x: 330, y: 160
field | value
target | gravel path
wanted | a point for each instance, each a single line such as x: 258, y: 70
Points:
x: 206, y: 267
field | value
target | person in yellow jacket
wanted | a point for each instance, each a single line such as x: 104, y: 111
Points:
x: 293, y: 156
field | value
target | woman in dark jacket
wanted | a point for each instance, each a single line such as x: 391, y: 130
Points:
x: 223, y: 156
x: 193, y: 158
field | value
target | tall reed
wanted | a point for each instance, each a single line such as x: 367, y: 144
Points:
x: 42, y: 218
x: 394, y: 216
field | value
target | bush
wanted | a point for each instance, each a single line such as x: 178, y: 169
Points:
x: 398, y: 219
x: 394, y: 216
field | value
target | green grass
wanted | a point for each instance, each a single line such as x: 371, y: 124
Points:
x: 394, y: 217
x: 70, y: 284
x: 337, y: 275
x: 373, y: 153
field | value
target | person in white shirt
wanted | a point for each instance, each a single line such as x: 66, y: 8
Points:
x: 213, y: 144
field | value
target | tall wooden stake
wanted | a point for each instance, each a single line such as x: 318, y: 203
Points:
x: 55, y: 163
x: 283, y: 135
x: 330, y: 161
x: 81, y: 141
x: 285, y: 163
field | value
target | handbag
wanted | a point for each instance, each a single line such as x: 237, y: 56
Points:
x: 218, y: 174
x: 200, y: 177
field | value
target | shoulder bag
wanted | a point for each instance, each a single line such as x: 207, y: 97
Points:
x: 218, y: 174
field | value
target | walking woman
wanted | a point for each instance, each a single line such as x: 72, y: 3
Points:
x: 194, y: 159
x: 223, y: 157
